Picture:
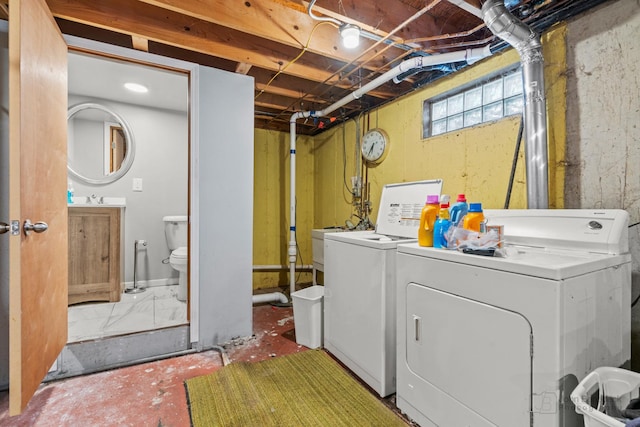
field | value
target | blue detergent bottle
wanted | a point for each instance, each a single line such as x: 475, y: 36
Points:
x: 458, y: 210
x: 441, y: 227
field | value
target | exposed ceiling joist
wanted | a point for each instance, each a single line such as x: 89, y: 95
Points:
x: 296, y: 61
x: 140, y: 43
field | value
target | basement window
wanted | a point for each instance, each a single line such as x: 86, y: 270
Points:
x: 490, y: 100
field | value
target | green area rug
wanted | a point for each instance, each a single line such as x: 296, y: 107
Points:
x: 301, y: 389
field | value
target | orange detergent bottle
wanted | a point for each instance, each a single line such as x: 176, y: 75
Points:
x: 427, y: 221
x: 473, y: 218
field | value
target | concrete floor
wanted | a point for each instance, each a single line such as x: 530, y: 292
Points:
x: 150, y: 394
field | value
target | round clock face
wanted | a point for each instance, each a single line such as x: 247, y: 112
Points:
x: 375, y: 144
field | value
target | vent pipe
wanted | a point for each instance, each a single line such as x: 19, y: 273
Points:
x: 506, y: 26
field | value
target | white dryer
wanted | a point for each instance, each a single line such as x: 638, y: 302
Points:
x: 487, y: 341
x: 359, y: 288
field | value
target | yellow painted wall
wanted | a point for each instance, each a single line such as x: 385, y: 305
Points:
x: 271, y: 205
x: 475, y: 161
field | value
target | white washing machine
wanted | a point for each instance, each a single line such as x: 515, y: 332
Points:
x: 487, y: 341
x: 359, y: 288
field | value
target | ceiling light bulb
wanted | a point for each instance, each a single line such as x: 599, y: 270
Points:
x: 135, y: 87
x: 350, y: 36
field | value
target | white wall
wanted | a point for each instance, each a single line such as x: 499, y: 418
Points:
x: 224, y: 165
x: 161, y: 160
x: 603, y: 122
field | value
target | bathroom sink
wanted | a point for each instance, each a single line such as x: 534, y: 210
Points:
x: 106, y: 202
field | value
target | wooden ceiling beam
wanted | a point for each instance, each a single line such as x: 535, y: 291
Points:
x: 243, y: 68
x: 293, y: 27
x: 273, y: 21
x: 167, y: 27
x: 140, y: 43
x: 284, y: 91
x: 302, y: 87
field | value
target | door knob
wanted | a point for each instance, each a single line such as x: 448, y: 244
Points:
x: 38, y: 227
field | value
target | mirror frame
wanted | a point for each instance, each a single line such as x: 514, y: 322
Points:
x: 131, y: 146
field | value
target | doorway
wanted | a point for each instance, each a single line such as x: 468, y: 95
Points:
x: 156, y: 185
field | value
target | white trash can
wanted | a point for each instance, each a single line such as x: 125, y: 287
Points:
x: 307, y: 315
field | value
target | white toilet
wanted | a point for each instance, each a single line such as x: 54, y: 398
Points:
x: 175, y: 229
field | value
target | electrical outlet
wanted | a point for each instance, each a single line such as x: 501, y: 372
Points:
x: 137, y: 184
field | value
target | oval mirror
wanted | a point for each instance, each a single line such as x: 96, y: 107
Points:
x: 100, y: 144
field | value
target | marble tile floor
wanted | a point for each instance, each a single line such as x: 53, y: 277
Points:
x: 155, y: 308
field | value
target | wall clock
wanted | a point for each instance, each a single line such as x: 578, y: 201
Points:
x: 375, y: 146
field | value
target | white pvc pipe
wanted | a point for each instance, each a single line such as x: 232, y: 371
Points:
x: 468, y: 55
x: 276, y: 267
x: 270, y: 297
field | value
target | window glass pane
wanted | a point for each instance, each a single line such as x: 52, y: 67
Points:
x: 513, y: 84
x: 473, y: 98
x: 426, y: 119
x: 439, y: 110
x: 455, y: 122
x: 513, y: 105
x: 490, y: 101
x: 492, y: 92
x: 472, y: 117
x: 455, y: 104
x: 439, y: 126
x: 492, y: 111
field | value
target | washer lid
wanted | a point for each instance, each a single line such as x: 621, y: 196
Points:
x: 369, y: 238
x: 401, y: 206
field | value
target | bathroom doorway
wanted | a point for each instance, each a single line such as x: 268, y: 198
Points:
x: 155, y: 186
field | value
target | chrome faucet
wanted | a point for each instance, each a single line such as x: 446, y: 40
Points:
x: 93, y: 199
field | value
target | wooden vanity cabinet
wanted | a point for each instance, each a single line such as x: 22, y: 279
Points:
x: 94, y: 254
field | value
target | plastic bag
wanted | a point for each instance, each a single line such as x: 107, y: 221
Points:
x: 460, y: 238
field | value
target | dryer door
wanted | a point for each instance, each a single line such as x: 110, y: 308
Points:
x: 474, y: 359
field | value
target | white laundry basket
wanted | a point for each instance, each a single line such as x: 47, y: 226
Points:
x: 307, y: 315
x: 613, y: 386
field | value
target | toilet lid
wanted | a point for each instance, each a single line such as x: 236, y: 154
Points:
x: 180, y: 252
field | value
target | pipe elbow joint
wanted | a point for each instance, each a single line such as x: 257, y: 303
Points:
x: 509, y: 28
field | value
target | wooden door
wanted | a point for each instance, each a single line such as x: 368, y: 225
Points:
x: 118, y: 148
x: 37, y: 191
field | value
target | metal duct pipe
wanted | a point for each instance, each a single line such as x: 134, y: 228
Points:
x: 469, y: 55
x: 506, y: 26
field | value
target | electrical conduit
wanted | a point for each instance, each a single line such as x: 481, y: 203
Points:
x: 468, y: 55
